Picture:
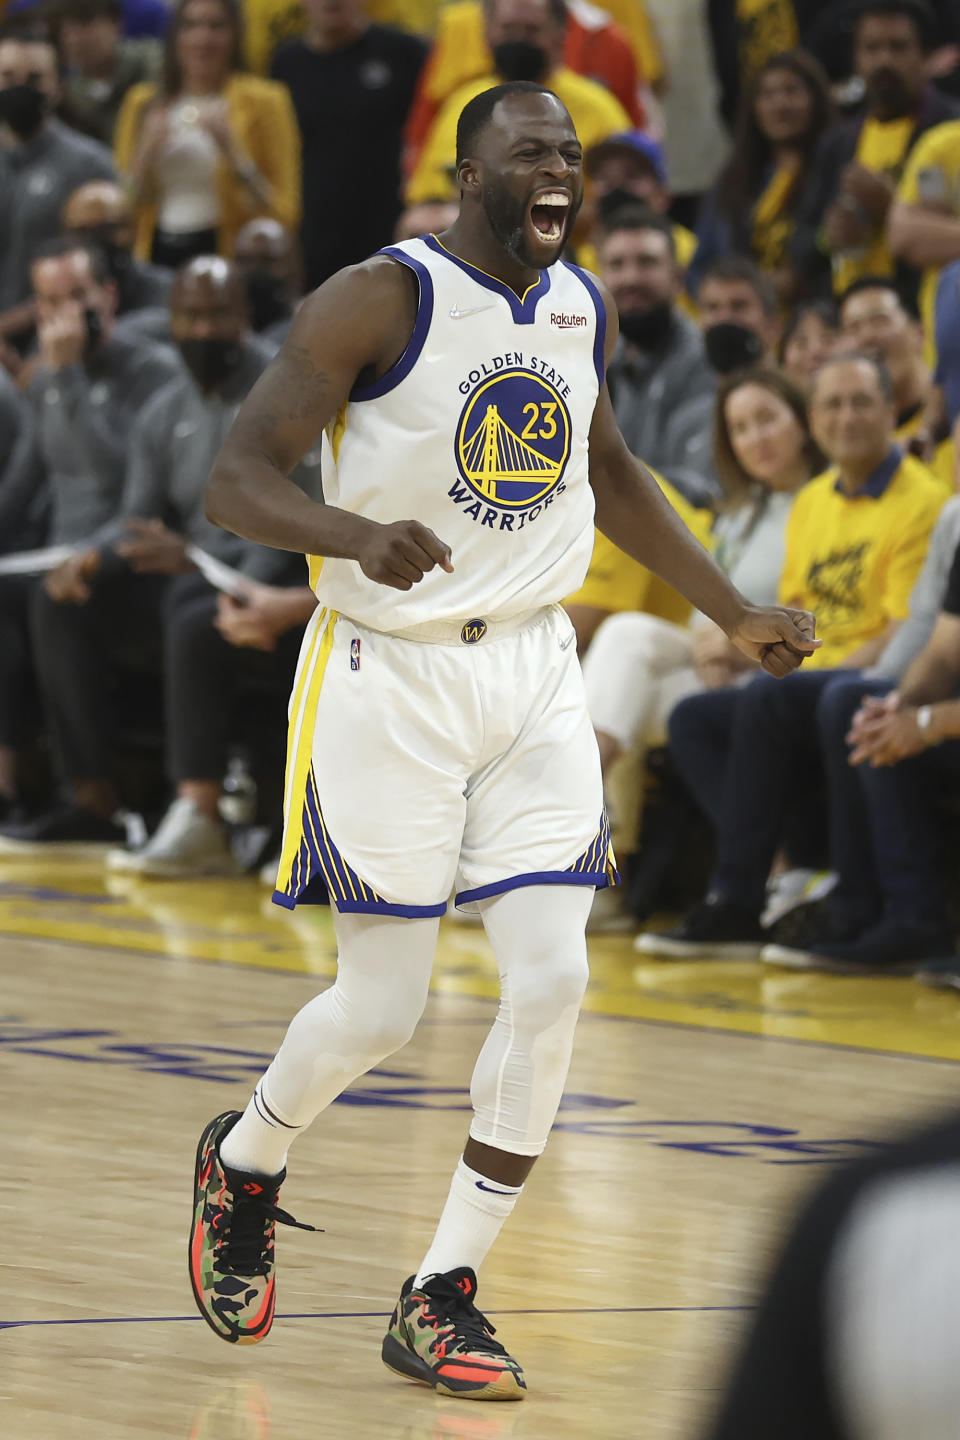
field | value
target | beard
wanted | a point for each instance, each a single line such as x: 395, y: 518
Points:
x: 648, y: 328
x: 888, y: 92
x: 507, y: 218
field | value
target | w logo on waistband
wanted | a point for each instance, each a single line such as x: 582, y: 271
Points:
x: 473, y: 631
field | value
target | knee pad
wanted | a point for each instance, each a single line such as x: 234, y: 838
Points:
x: 374, y: 1029
x: 540, y: 993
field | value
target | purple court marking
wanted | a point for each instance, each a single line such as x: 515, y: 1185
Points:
x: 385, y: 1315
x: 603, y: 1015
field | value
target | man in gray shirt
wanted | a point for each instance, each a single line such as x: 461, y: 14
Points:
x: 660, y: 381
x: 268, y: 257
x: 41, y: 162
x: 90, y: 386
x: 22, y: 525
x: 214, y: 647
x: 100, y: 213
x: 23, y: 500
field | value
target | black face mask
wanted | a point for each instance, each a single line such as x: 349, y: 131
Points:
x: 94, y: 323
x: 210, y: 361
x: 268, y: 298
x: 731, y: 347
x: 519, y: 60
x: 118, y: 257
x: 647, y: 328
x: 23, y: 108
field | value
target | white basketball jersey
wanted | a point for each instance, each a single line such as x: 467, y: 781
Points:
x: 479, y: 431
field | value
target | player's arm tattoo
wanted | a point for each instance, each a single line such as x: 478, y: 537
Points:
x: 305, y: 384
x: 287, y: 409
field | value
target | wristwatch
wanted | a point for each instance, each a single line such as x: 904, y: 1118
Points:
x: 924, y: 718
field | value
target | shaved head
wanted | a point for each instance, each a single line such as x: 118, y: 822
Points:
x: 477, y: 114
x: 209, y: 279
x: 263, y: 239
x: 209, y: 318
x: 100, y: 202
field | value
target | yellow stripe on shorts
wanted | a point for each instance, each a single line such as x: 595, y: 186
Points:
x: 303, y: 720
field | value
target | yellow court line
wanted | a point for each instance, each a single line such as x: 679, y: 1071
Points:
x: 234, y: 922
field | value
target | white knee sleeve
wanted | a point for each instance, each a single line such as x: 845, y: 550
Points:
x: 537, y: 934
x: 383, y: 975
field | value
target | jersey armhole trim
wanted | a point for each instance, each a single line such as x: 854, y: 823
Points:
x: 399, y: 371
x: 600, y: 333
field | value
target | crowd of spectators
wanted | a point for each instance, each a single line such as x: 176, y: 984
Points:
x: 773, y: 200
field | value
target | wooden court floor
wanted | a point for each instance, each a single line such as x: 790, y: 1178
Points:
x: 702, y: 1102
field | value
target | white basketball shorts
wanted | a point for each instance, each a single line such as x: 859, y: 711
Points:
x: 416, y: 766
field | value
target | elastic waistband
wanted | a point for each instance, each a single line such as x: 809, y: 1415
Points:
x: 476, y: 631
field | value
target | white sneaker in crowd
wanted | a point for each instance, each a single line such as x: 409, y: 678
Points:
x: 793, y: 888
x: 185, y: 843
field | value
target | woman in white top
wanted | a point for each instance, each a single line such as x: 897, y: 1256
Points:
x: 210, y: 147
x: 640, y: 666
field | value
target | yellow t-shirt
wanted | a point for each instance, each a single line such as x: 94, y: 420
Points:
x: 269, y: 23
x: 594, y: 111
x: 942, y: 463
x: 773, y: 220
x: 617, y: 583
x: 938, y: 149
x: 943, y: 466
x: 766, y: 28
x: 853, y: 560
x: 883, y: 146
x: 460, y: 50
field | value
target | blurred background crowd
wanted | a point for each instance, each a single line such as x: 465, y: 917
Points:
x: 773, y: 199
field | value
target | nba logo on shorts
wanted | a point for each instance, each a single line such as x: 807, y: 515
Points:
x: 354, y: 654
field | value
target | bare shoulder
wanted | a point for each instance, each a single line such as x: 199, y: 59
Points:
x: 357, y: 324
x: 369, y: 299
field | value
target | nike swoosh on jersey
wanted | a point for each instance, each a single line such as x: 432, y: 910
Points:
x: 457, y: 314
x: 565, y: 644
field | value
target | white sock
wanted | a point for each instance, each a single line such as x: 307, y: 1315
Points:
x: 259, y: 1141
x: 472, y: 1219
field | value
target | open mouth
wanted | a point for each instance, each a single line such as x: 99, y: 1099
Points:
x: 548, y: 216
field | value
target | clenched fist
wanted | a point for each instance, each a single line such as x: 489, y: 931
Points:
x: 778, y: 637
x: 399, y: 555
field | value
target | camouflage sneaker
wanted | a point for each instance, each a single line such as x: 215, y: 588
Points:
x: 439, y: 1337
x: 231, y: 1253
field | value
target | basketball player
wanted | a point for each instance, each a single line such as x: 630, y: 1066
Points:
x: 438, y: 733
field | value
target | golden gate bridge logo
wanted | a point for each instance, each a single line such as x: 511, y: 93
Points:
x: 513, y: 440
